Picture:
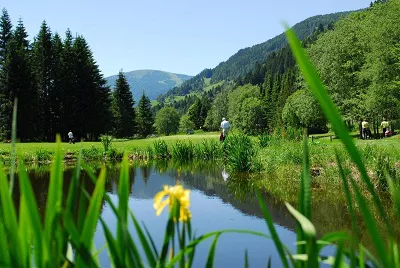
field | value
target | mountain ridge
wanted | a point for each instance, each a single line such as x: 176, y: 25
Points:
x: 153, y: 82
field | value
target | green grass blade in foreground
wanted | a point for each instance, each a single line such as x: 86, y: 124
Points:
x: 10, y: 220
x: 93, y: 213
x: 246, y: 259
x: 211, y: 253
x: 54, y: 200
x: 33, y: 212
x: 272, y: 230
x: 13, y: 141
x: 123, y: 196
x: 24, y: 233
x: 151, y: 258
x: 351, y: 210
x: 371, y: 226
x: 113, y: 247
x: 309, y: 234
x: 206, y: 236
x: 331, y: 112
x: 395, y: 193
x: 4, y: 247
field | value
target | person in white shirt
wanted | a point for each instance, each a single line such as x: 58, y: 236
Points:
x: 225, y: 127
x: 71, y: 137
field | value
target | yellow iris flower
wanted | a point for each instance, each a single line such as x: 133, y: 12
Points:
x: 173, y: 193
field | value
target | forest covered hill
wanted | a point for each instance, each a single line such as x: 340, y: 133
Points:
x: 153, y: 82
x: 245, y: 59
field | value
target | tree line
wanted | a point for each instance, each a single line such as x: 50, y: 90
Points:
x: 59, y: 87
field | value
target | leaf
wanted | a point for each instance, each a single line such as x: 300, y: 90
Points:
x: 272, y: 230
x: 211, y: 253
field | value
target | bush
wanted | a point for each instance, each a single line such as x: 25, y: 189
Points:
x: 106, y: 141
x: 43, y: 155
x: 240, y: 153
x: 160, y: 149
x: 92, y: 153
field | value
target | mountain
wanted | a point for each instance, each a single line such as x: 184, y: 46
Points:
x: 245, y: 59
x: 153, y: 82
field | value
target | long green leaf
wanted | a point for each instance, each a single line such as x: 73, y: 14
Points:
x: 272, y: 230
x: 13, y: 142
x: 206, y: 236
x: 4, y: 247
x: 371, y: 225
x: 123, y: 196
x: 351, y: 210
x: 53, y: 205
x: 321, y: 94
x: 144, y: 243
x: 33, y: 212
x: 211, y: 253
x: 112, y: 246
x: 10, y: 220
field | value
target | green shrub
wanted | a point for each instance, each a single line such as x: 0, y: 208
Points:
x: 240, y: 153
x: 92, y: 153
x: 264, y: 139
x: 106, y: 141
x: 160, y: 149
x: 43, y: 155
x: 183, y: 151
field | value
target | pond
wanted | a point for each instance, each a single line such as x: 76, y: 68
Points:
x: 218, y: 201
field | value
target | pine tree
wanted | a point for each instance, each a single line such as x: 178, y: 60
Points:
x: 43, y: 63
x: 19, y: 83
x: 92, y: 95
x: 145, y: 119
x: 57, y: 96
x: 69, y: 110
x: 5, y: 34
x: 123, y: 99
x: 6, y: 104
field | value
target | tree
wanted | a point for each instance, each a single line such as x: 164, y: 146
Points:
x: 125, y: 117
x: 42, y: 61
x: 144, y: 116
x: 302, y: 110
x: 218, y: 110
x: 5, y: 102
x: 185, y: 124
x: 167, y: 121
x: 5, y: 34
x: 19, y: 84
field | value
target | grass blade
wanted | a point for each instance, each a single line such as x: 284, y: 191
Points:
x: 246, y: 259
x: 272, y: 230
x: 371, y: 225
x: 112, y: 246
x: 13, y: 141
x: 144, y: 243
x: 33, y: 213
x: 123, y: 196
x: 211, y: 253
x: 10, y: 220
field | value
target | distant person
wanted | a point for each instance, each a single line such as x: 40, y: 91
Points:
x: 225, y: 126
x: 71, y: 137
x: 384, y: 127
x: 365, y: 129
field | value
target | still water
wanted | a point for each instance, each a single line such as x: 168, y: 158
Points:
x: 218, y: 201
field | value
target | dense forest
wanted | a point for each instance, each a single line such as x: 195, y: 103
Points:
x: 59, y: 87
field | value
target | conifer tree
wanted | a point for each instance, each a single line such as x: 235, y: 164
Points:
x: 19, y: 84
x: 6, y: 105
x: 123, y: 101
x: 43, y: 63
x: 145, y: 119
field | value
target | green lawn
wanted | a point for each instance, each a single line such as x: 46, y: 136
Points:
x: 121, y: 145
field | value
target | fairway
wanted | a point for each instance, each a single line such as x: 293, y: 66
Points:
x: 120, y: 145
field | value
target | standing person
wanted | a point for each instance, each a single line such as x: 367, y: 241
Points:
x: 365, y: 129
x: 384, y: 126
x: 71, y: 137
x: 225, y: 128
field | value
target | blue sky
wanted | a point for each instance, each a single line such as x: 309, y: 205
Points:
x: 181, y: 36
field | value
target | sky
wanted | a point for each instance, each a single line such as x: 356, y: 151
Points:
x: 180, y: 36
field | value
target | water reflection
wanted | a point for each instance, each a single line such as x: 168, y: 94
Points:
x: 219, y: 201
